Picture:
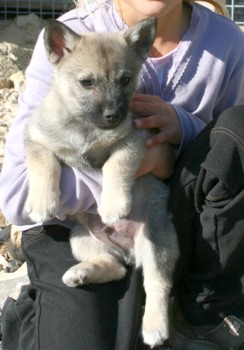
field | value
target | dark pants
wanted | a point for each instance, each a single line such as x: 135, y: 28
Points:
x: 208, y: 207
x: 207, y: 202
x: 51, y: 316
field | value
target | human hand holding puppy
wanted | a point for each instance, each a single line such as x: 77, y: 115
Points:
x: 159, y: 158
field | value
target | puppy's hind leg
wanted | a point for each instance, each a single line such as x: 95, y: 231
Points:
x: 99, y: 263
x: 157, y: 288
x: 156, y: 251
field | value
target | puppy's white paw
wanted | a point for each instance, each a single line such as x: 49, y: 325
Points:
x: 42, y: 206
x: 99, y: 271
x: 154, y: 339
x: 114, y: 208
x: 155, y: 330
x: 76, y: 277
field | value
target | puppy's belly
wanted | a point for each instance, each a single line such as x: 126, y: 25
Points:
x: 121, y: 234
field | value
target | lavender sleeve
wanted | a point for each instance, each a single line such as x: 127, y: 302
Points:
x: 79, y: 191
x: 212, y: 104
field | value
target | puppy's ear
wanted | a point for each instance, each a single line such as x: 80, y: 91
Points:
x: 141, y: 36
x: 59, y: 40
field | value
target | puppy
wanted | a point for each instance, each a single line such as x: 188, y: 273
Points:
x: 91, y: 128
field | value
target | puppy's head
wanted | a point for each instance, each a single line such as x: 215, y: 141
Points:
x: 96, y: 73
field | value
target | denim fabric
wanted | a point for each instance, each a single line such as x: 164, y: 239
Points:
x: 51, y: 316
x: 207, y: 202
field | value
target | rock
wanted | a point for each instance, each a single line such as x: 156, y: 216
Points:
x: 17, y: 40
x: 23, y: 30
x: 18, y: 81
x: 13, y: 59
x: 5, y: 84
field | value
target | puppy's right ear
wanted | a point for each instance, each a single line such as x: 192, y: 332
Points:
x: 59, y: 40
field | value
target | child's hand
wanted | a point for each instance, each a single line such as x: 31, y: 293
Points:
x: 159, y: 161
x: 156, y: 114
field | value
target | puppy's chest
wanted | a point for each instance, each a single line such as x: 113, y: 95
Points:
x: 84, y: 155
x: 84, y: 147
x: 96, y: 158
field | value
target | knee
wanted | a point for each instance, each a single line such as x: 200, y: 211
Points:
x: 232, y: 119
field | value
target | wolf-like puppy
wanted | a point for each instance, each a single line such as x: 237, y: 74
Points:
x: 90, y: 128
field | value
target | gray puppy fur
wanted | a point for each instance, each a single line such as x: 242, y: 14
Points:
x: 90, y: 128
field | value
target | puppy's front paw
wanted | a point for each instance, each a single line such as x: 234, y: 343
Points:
x: 42, y: 206
x: 114, y: 207
x: 155, y: 329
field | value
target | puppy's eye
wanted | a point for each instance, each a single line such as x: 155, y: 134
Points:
x: 125, y: 81
x: 86, y: 83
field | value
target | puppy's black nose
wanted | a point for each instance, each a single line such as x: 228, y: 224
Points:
x: 111, y: 117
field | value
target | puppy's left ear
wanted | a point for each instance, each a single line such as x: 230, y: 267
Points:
x: 59, y: 40
x: 141, y: 36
